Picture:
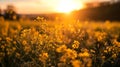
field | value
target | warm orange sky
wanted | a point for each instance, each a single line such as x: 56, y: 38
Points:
x: 45, y: 6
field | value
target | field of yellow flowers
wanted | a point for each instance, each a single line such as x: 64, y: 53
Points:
x: 59, y: 44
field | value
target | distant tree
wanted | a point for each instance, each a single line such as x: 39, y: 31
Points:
x: 10, y: 13
x: 1, y: 17
x: 0, y: 12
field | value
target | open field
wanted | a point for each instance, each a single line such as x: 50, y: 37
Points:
x: 59, y: 44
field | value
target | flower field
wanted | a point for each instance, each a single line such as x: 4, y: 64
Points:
x: 59, y: 44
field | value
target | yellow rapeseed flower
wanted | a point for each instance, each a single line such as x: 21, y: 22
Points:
x: 116, y: 43
x: 71, y: 53
x: 63, y: 58
x: 114, y: 55
x: 85, y: 54
x: 61, y: 48
x: 75, y: 44
x: 24, y: 42
x: 43, y: 57
x: 2, y: 46
x: 17, y: 55
x: 103, y: 57
x: 14, y: 42
x: 100, y: 35
x: 27, y: 49
x: 76, y: 63
x: 8, y: 39
x: 105, y: 51
x: 13, y: 48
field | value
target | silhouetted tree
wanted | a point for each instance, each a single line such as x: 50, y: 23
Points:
x: 10, y: 13
x: 0, y: 12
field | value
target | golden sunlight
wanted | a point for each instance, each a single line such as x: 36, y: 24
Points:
x: 66, y: 6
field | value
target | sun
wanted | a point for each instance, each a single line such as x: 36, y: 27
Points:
x: 66, y: 6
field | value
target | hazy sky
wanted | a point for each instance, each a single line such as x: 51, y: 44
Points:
x: 37, y: 6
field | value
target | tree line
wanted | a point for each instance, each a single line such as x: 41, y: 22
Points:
x: 100, y: 13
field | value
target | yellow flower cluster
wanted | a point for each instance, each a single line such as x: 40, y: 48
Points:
x: 76, y: 63
x: 65, y: 44
x: 85, y: 54
x: 43, y: 57
x: 100, y: 36
x: 61, y: 48
x: 116, y: 43
x: 69, y: 54
x: 75, y: 44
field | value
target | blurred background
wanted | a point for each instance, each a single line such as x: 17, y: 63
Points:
x: 98, y: 10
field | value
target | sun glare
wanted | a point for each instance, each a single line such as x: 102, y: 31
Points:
x: 66, y: 6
